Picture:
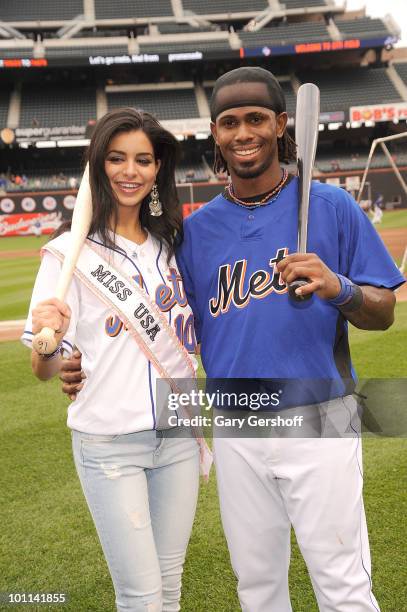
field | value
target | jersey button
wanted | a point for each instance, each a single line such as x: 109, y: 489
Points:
x: 250, y: 217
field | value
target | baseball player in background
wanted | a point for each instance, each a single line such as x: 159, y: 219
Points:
x: 236, y: 259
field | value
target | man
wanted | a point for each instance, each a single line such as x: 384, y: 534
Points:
x: 236, y: 259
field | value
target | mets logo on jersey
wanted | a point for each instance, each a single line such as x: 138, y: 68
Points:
x: 233, y: 289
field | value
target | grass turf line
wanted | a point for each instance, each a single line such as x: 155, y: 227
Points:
x: 48, y: 540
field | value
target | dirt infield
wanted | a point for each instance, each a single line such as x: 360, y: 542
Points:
x: 19, y: 254
x: 395, y: 239
x: 11, y: 330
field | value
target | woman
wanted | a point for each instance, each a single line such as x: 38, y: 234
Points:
x: 140, y: 483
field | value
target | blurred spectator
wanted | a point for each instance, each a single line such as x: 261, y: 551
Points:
x: 3, y: 183
x: 73, y: 182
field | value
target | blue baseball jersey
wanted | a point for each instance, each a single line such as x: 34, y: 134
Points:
x: 246, y: 322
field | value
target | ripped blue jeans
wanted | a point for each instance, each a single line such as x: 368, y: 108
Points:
x: 141, y: 490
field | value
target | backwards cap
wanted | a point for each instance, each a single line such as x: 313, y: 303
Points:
x: 271, y: 96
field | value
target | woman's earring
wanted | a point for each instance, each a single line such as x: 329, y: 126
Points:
x: 156, y: 209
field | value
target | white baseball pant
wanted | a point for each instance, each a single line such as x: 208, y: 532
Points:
x: 265, y: 486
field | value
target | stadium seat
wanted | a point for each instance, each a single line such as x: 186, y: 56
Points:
x: 285, y: 33
x: 401, y: 68
x: 44, y: 10
x: 164, y: 104
x: 224, y: 6
x: 185, y: 47
x: 122, y: 9
x: 72, y: 51
x: 362, y: 27
x: 56, y: 106
x: 297, y: 4
x: 4, y: 105
x: 341, y: 89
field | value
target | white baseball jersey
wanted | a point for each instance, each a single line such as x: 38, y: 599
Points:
x: 119, y: 394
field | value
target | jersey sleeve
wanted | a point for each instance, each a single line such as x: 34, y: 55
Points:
x: 44, y: 288
x: 184, y: 261
x: 364, y: 257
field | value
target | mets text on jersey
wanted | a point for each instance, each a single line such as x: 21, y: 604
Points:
x: 231, y: 285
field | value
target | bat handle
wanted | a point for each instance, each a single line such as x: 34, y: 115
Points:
x: 45, y: 341
x: 298, y: 282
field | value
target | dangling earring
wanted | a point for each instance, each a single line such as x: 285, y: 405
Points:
x: 156, y: 209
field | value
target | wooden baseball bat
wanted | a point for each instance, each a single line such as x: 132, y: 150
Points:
x: 306, y: 137
x: 45, y: 342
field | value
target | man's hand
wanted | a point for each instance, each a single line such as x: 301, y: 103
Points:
x: 323, y: 281
x: 71, y: 375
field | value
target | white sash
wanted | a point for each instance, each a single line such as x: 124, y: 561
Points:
x: 143, y: 320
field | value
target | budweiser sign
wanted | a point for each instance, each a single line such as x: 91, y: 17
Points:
x: 378, y: 112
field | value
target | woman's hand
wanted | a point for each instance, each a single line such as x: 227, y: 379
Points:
x: 54, y: 314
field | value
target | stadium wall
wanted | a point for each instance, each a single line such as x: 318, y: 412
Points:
x: 30, y: 213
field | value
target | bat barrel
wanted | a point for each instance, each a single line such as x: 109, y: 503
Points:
x: 45, y: 342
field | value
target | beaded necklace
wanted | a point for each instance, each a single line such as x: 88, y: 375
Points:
x: 267, y: 199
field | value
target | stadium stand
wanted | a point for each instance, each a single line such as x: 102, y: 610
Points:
x: 285, y: 33
x: 343, y: 88
x: 298, y: 4
x: 401, y: 68
x: 124, y: 9
x: 289, y: 97
x: 191, y: 172
x: 184, y: 47
x: 17, y: 53
x: 356, y: 160
x: 183, y: 28
x: 4, y: 104
x: 85, y: 51
x: 165, y: 104
x: 50, y: 106
x: 224, y: 6
x: 362, y: 27
x: 45, y: 10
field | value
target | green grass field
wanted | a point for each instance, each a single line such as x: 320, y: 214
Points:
x: 393, y: 219
x: 48, y: 542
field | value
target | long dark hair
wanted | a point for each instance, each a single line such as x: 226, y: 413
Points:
x: 168, y: 226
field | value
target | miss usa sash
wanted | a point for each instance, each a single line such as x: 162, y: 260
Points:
x: 144, y: 321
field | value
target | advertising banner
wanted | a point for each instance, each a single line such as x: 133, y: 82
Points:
x: 378, y: 112
x: 29, y: 224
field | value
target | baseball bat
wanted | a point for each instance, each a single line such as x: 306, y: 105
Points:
x: 306, y: 137
x: 45, y: 342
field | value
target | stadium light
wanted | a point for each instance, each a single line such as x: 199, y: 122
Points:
x: 334, y: 126
x: 201, y: 135
x: 321, y: 127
